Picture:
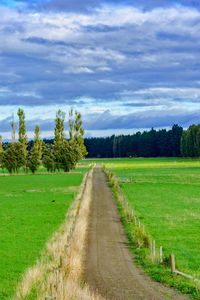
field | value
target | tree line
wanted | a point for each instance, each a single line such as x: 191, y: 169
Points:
x: 63, y: 154
x: 153, y: 143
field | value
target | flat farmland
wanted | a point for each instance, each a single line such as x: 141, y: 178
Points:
x: 165, y: 194
x: 32, y: 208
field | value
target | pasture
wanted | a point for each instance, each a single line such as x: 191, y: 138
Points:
x: 31, y: 209
x: 165, y: 194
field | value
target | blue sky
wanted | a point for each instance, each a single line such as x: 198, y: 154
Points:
x: 126, y: 65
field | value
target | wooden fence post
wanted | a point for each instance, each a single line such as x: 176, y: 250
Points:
x: 139, y: 223
x: 161, y: 254
x: 153, y: 249
x: 172, y: 263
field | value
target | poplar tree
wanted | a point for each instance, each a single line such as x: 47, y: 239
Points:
x: 37, y: 142
x: 22, y: 137
x: 1, y: 152
x: 59, y: 141
x: 76, y: 134
x: 13, y: 130
x: 59, y: 130
x: 68, y: 152
x: 36, y: 152
x: 48, y: 157
x: 13, y: 155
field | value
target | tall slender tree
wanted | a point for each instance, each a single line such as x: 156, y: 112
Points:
x: 59, y: 131
x: 37, y: 142
x: 13, y: 158
x: 13, y: 129
x: 1, y: 152
x: 23, y: 137
x: 76, y: 134
x: 36, y: 151
x: 59, y: 139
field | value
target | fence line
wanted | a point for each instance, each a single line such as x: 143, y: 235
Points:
x: 141, y: 237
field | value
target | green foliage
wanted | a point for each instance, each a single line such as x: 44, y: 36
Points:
x: 13, y: 157
x: 36, y: 152
x: 1, y: 151
x: 190, y: 142
x: 68, y: 152
x: 63, y: 155
x: 31, y: 209
x: 48, y: 158
x: 13, y: 128
x: 59, y: 130
x: 37, y: 143
x: 61, y: 149
x: 22, y: 136
x: 33, y: 161
x: 76, y: 133
x: 22, y: 126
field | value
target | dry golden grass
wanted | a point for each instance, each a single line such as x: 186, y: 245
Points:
x: 58, y: 273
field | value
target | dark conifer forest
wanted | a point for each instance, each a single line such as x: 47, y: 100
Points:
x: 153, y: 143
x: 174, y: 142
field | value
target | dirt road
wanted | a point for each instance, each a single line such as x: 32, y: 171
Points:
x: 109, y: 267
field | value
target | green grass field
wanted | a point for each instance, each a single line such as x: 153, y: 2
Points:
x: 165, y: 193
x: 31, y: 208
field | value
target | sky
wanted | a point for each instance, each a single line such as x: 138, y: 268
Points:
x: 126, y: 65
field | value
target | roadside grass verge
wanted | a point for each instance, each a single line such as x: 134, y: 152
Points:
x: 31, y: 210
x: 81, y: 167
x: 58, y: 272
x: 167, y: 220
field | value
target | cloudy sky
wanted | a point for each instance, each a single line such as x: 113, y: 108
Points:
x: 126, y: 65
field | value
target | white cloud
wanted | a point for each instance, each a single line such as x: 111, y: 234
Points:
x: 4, y: 89
x: 79, y: 70
x: 184, y: 93
x: 104, y: 69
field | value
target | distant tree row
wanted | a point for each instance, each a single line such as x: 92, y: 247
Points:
x: 63, y: 154
x: 147, y: 144
x: 190, y: 142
